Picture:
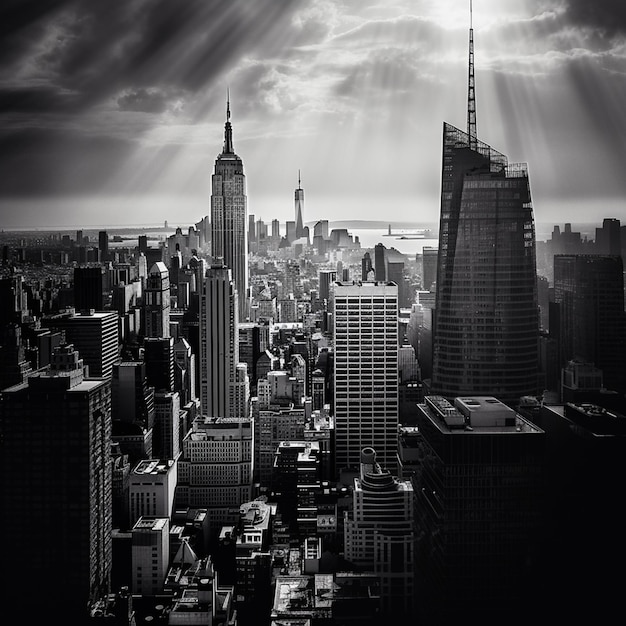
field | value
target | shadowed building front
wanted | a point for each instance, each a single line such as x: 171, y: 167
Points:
x: 56, y: 488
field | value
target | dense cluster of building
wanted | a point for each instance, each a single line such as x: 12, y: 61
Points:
x: 240, y: 427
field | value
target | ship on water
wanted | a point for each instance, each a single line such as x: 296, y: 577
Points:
x: 406, y: 233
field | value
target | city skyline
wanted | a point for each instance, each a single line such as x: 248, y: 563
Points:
x: 120, y: 113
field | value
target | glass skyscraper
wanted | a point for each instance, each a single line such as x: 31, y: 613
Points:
x: 486, y: 319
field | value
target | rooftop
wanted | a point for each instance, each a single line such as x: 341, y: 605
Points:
x: 477, y: 415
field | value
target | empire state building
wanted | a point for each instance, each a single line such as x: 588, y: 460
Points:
x: 229, y: 219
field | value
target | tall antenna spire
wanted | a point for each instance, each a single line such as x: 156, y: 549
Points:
x: 471, y: 95
x: 299, y: 187
x: 228, y: 129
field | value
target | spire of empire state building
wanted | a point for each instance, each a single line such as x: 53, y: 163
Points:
x: 228, y: 129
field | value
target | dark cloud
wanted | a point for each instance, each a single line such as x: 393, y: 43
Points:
x: 40, y: 99
x: 97, y: 49
x: 607, y: 17
x: 21, y: 23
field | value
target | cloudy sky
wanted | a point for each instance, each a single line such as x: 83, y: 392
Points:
x: 112, y: 112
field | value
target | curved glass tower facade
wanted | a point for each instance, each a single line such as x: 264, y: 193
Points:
x: 486, y: 326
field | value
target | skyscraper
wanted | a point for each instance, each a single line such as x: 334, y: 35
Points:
x: 219, y: 341
x: 302, y: 231
x: 486, y: 321
x: 132, y: 409
x: 589, y: 298
x: 88, y: 288
x: 103, y: 245
x: 326, y: 278
x: 365, y: 371
x: 94, y: 334
x: 55, y: 485
x: 479, y: 510
x: 379, y: 533
x: 229, y: 220
x: 156, y: 298
x: 215, y: 468
x: 429, y: 268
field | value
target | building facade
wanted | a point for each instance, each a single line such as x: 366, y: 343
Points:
x: 365, y: 371
x: 219, y: 341
x: 379, y: 533
x: 591, y: 322
x: 156, y: 301
x: 215, y: 468
x: 56, y: 485
x: 96, y: 336
x: 479, y: 504
x: 152, y: 487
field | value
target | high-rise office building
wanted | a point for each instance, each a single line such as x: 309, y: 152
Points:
x: 132, y: 409
x: 219, y: 341
x: 156, y: 302
x: 365, y: 371
x: 479, y: 510
x: 367, y: 267
x: 279, y: 414
x: 429, y: 267
x: 95, y: 334
x: 379, y: 533
x: 229, y: 219
x: 150, y: 554
x: 14, y: 366
x: 215, y: 468
x: 486, y: 322
x: 380, y: 262
x: 591, y: 322
x: 13, y: 300
x: 88, y: 288
x: 152, y: 487
x: 326, y: 278
x: 167, y: 425
x: 55, y: 485
x: 608, y: 237
x: 103, y: 245
x: 250, y: 349
x: 160, y: 363
x: 184, y: 371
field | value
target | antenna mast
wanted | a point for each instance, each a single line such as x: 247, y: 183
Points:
x: 471, y: 95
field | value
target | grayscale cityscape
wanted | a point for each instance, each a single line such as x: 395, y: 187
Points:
x: 378, y: 415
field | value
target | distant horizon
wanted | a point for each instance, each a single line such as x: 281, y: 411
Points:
x: 543, y: 228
